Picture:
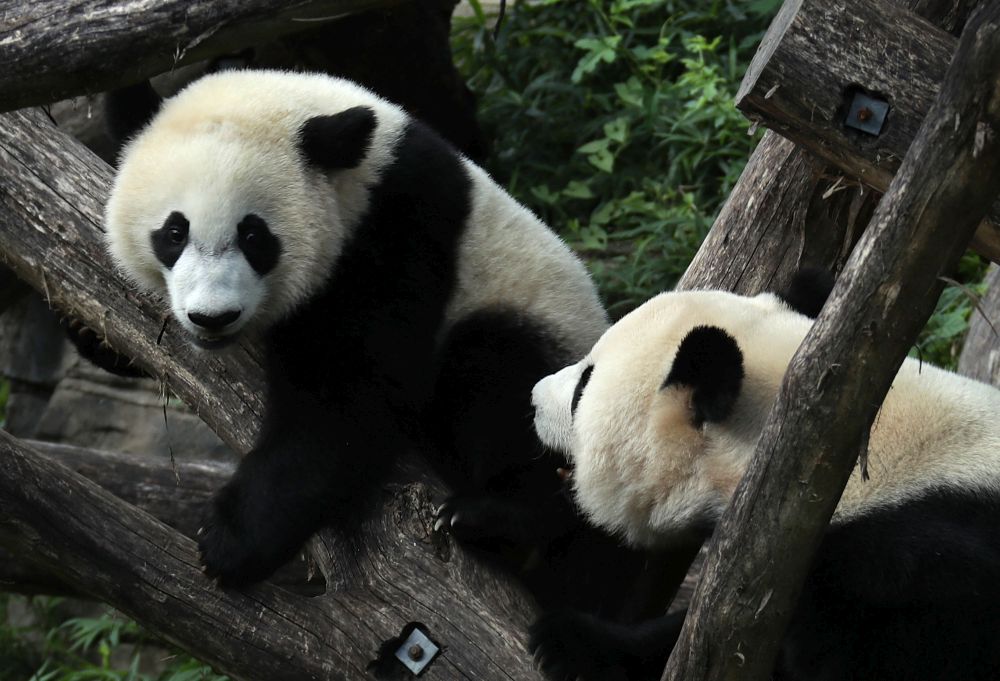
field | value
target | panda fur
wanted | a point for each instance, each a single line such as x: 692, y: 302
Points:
x: 660, y: 420
x: 403, y: 298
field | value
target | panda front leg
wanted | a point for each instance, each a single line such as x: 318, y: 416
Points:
x: 307, y: 471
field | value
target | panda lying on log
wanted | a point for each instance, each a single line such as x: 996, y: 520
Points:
x: 403, y: 299
x: 660, y: 420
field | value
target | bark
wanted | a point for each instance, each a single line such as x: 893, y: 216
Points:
x: 980, y: 358
x: 54, y: 49
x: 840, y: 375
x: 395, y: 572
x: 117, y: 553
x: 817, y: 54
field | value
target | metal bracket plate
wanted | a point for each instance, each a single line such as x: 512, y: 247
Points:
x: 867, y: 114
x: 417, y: 651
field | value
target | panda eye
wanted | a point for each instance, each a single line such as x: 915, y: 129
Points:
x: 176, y: 234
x: 250, y: 229
x: 176, y: 228
x: 580, y: 386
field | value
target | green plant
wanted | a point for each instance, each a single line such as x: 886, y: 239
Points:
x: 614, y: 121
x: 941, y: 340
x: 47, y: 646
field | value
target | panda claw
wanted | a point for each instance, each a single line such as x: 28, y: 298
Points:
x: 438, y: 524
x: 440, y: 509
x: 201, y: 531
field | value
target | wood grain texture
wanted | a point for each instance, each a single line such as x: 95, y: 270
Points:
x: 395, y: 571
x: 840, y: 375
x: 54, y: 49
x: 117, y: 553
x: 980, y: 358
x: 817, y: 52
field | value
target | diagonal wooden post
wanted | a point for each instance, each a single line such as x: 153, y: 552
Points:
x: 840, y: 375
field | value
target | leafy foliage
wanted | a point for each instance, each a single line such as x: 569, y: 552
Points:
x: 941, y: 340
x: 614, y: 121
x: 107, y: 647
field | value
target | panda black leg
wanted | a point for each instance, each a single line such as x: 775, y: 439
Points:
x: 571, y: 645
x: 506, y: 483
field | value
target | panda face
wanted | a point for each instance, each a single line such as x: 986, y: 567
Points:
x: 659, y: 419
x: 216, y: 279
x: 236, y: 200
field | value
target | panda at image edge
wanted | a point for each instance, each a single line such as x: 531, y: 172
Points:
x: 403, y: 299
x: 659, y: 422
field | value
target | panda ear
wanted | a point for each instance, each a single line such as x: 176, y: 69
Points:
x: 710, y: 363
x: 808, y: 291
x: 339, y: 141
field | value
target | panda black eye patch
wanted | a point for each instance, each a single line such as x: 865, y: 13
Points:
x: 580, y: 386
x: 259, y: 245
x: 170, y: 239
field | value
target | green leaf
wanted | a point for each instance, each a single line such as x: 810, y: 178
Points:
x: 577, y: 190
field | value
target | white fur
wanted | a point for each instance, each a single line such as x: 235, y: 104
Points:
x: 643, y: 470
x: 507, y: 254
x: 222, y: 148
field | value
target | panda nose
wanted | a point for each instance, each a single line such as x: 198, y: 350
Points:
x: 214, y: 322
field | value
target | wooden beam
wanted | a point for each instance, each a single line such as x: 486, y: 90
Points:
x: 54, y: 49
x: 113, y: 551
x: 840, y: 375
x: 394, y: 571
x: 819, y: 54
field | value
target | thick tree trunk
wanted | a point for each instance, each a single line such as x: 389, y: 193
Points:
x: 395, y: 572
x: 840, y: 375
x: 119, y: 43
x: 980, y: 358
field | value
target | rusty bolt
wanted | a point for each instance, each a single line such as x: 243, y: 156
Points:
x: 416, y: 652
x: 864, y: 114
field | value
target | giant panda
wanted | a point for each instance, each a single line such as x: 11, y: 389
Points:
x: 659, y: 421
x: 403, y: 300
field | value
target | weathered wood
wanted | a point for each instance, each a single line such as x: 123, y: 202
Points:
x: 783, y: 212
x: 393, y: 572
x: 818, y: 53
x: 119, y: 43
x: 980, y: 358
x: 105, y: 547
x: 173, y: 494
x: 840, y: 375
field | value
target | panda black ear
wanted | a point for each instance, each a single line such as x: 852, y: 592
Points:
x: 808, y: 291
x: 339, y: 141
x: 709, y: 362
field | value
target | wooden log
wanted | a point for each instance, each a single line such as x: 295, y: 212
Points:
x: 840, y: 375
x: 119, y: 554
x: 980, y: 357
x: 818, y: 54
x: 394, y: 572
x: 120, y: 43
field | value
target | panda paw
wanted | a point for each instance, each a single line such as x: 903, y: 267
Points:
x: 231, y: 545
x: 479, y: 518
x: 568, y: 646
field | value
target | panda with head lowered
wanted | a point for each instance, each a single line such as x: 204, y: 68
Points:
x: 659, y: 422
x: 401, y: 296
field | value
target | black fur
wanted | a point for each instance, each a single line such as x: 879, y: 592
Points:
x: 127, y: 110
x: 581, y: 385
x: 709, y: 361
x: 808, y: 291
x: 259, y: 245
x: 170, y: 239
x: 910, y: 592
x: 338, y: 141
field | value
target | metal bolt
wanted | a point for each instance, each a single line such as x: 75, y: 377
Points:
x: 416, y: 652
x: 865, y: 114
